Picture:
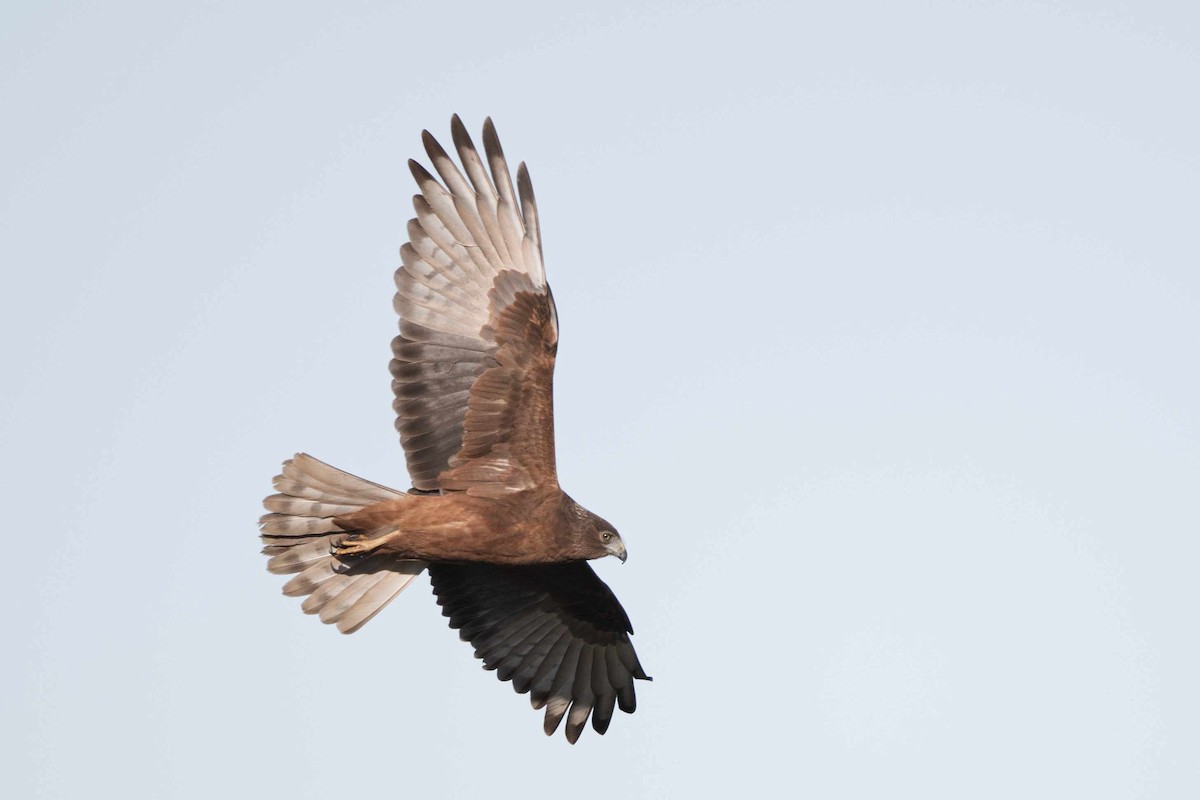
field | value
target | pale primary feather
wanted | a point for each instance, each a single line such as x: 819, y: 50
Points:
x: 470, y: 237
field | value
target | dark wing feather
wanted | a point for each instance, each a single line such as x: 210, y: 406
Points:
x: 475, y: 314
x: 554, y: 630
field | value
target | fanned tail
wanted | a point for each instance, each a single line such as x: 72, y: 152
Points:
x: 298, y: 532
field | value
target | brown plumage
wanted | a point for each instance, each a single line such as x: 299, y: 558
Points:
x: 473, y: 371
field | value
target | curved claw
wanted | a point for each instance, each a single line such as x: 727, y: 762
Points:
x: 358, y: 544
x: 348, y: 546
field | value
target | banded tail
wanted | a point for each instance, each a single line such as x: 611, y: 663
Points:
x: 299, y: 531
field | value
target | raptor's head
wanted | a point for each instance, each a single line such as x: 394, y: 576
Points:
x: 610, y: 540
x: 596, y: 537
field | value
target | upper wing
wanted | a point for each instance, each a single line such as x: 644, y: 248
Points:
x: 474, y: 362
x: 555, y: 630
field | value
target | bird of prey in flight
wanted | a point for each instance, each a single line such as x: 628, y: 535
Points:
x: 472, y: 370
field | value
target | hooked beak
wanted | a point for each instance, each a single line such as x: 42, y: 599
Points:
x: 619, y: 551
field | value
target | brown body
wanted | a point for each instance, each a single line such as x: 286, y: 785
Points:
x: 461, y: 527
x: 473, y: 372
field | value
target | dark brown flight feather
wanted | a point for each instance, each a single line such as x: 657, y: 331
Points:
x: 472, y: 374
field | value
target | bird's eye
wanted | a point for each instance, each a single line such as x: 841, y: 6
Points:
x: 604, y: 537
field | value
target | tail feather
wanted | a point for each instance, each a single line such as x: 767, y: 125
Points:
x: 306, y: 507
x: 333, y: 609
x: 292, y: 488
x: 313, y: 576
x: 302, y: 525
x: 306, y: 553
x: 307, y: 470
x: 285, y: 526
x: 378, y: 596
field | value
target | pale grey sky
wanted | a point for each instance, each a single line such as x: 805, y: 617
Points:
x: 880, y: 324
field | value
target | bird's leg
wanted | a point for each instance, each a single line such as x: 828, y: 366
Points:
x: 359, y: 544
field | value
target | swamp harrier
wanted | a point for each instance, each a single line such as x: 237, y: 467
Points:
x: 505, y: 547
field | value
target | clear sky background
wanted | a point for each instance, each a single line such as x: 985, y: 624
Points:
x: 880, y: 333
